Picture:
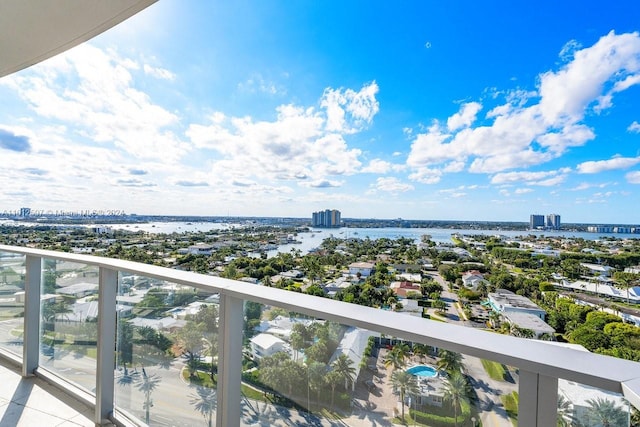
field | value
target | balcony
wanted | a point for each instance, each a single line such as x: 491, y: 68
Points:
x: 63, y: 327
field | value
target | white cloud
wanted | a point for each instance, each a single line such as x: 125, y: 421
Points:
x: 382, y: 166
x: 298, y: 145
x: 92, y: 91
x: 349, y: 111
x: 465, y: 117
x: 607, y: 165
x: 566, y: 94
x: 392, y: 185
x: 569, y: 49
x: 523, y: 190
x: 544, y: 178
x: 532, y: 128
x: 633, y: 177
x: 426, y: 176
x: 585, y: 186
x: 634, y: 127
x: 159, y: 73
x: 454, y: 166
x: 322, y: 183
x: 258, y: 84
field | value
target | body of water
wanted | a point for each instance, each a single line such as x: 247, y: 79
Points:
x: 314, y: 238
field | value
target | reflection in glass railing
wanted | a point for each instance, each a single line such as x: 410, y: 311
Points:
x: 166, y: 352
x: 583, y: 405
x: 313, y: 372
x: 300, y: 369
x: 69, y: 319
x: 12, y: 273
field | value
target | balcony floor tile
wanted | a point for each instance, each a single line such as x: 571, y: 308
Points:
x: 26, y: 402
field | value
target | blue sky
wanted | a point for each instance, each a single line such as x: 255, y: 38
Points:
x: 423, y: 110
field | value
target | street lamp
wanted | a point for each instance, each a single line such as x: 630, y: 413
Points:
x: 473, y: 421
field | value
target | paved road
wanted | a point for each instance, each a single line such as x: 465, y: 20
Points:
x: 490, y: 407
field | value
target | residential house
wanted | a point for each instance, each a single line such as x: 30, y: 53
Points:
x: 597, y: 269
x: 401, y: 289
x: 472, y: 278
x: 364, y: 269
x: 265, y: 345
x: 504, y: 302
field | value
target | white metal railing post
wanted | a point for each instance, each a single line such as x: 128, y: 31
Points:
x: 31, y: 332
x: 229, y: 361
x: 538, y: 400
x: 107, y: 319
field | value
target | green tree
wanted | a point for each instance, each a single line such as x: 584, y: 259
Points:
x: 592, y: 339
x: 333, y: 378
x: 604, y: 412
x: 449, y: 361
x: 565, y: 413
x: 397, y: 356
x: 405, y: 384
x: 344, y: 366
x: 125, y: 342
x: 316, y: 373
x: 456, y: 392
x: 625, y: 280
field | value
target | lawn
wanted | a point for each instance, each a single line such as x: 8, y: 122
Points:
x: 510, y: 402
x: 203, y: 379
x: 495, y: 370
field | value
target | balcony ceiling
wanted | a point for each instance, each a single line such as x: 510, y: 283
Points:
x: 34, y: 30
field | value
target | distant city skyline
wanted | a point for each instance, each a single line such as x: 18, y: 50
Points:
x: 326, y: 218
x: 278, y: 109
x: 550, y: 221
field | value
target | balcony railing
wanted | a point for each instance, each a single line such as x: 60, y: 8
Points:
x: 539, y: 365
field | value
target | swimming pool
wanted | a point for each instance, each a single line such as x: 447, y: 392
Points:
x: 423, y: 371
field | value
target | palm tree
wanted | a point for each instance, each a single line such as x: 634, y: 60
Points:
x: 421, y: 351
x: 404, y: 383
x: 210, y: 341
x: 344, y: 366
x: 193, y: 362
x: 205, y: 402
x: 403, y: 351
x: 316, y: 373
x: 494, y: 317
x: 565, y: 413
x: 333, y: 378
x: 625, y: 280
x: 519, y: 332
x: 146, y: 384
x: 396, y: 357
x: 547, y: 336
x: 450, y: 361
x: 456, y: 391
x: 606, y: 413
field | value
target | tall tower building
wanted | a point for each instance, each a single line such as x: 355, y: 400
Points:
x: 326, y: 218
x: 553, y: 221
x: 536, y: 221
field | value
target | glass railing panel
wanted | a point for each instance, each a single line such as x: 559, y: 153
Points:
x: 582, y: 405
x: 166, y: 351
x: 69, y: 321
x: 308, y: 371
x: 300, y: 370
x: 12, y: 274
x: 493, y: 392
